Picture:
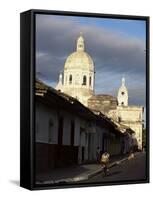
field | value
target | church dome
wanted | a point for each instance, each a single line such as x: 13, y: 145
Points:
x: 79, y: 59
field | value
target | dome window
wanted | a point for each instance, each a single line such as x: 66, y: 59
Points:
x: 90, y: 81
x: 84, y: 80
x: 70, y: 79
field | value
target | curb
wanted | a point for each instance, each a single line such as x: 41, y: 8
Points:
x: 83, y: 177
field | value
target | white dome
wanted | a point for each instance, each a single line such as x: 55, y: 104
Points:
x: 79, y: 74
x: 79, y: 60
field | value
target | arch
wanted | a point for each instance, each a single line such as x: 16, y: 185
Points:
x: 70, y: 79
x: 122, y: 103
x: 84, y: 80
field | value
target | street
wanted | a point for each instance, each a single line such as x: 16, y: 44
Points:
x: 134, y: 169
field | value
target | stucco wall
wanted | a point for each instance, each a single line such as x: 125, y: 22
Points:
x: 44, y: 114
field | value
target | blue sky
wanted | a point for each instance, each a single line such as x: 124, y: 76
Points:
x: 134, y: 28
x: 116, y: 46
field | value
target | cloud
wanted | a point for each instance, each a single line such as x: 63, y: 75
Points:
x: 115, y: 53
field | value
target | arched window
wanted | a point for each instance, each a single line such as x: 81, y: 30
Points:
x: 90, y: 81
x: 122, y: 103
x: 51, y: 131
x: 70, y: 79
x: 84, y: 80
x: 119, y: 119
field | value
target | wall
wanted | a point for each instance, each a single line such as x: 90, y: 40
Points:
x: 84, y: 136
x: 132, y: 116
x: 130, y: 113
x: 44, y: 114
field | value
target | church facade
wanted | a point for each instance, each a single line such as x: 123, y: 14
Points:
x: 78, y: 81
x: 129, y: 115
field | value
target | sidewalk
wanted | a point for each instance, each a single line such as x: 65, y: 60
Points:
x: 77, y: 173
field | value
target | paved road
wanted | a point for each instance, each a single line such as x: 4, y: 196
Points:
x: 134, y: 169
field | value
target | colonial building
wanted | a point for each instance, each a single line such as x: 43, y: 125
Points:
x: 68, y: 133
x: 77, y: 80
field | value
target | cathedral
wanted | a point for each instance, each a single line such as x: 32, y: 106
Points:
x: 79, y: 72
x: 78, y: 80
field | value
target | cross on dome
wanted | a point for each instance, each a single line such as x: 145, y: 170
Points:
x: 123, y: 81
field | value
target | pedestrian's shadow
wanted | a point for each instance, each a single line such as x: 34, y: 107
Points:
x: 114, y: 173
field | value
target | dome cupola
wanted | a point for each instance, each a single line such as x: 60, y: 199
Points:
x: 79, y: 59
x: 80, y: 43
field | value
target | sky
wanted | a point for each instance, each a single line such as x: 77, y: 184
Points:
x: 117, y: 47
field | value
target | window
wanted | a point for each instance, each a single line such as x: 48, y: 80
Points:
x: 122, y: 93
x: 119, y: 119
x: 90, y: 81
x: 70, y: 79
x: 50, y: 131
x: 84, y: 80
x: 122, y: 103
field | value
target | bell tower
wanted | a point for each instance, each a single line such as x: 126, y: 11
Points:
x: 122, y: 94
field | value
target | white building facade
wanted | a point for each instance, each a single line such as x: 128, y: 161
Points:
x: 77, y: 80
x: 129, y: 115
